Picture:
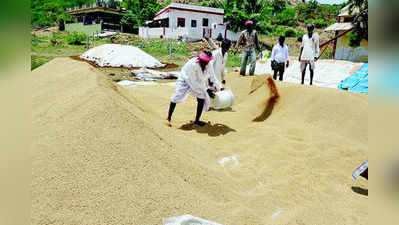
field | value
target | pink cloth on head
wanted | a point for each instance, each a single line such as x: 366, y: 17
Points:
x: 249, y: 22
x: 204, y: 57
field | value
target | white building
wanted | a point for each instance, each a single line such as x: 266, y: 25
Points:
x: 341, y: 48
x: 189, y: 22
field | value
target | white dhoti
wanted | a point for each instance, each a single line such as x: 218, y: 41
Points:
x: 182, y: 91
x: 304, y: 63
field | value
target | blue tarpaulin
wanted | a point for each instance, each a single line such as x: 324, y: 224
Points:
x: 358, y: 81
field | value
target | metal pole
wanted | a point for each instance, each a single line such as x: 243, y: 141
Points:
x: 87, y: 42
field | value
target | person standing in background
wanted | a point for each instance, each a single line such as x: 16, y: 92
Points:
x: 249, y: 40
x: 280, y: 58
x: 310, y: 51
x: 219, y: 58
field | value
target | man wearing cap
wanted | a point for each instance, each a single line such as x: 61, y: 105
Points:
x: 309, y: 52
x: 219, y: 58
x: 195, y: 78
x: 249, y: 40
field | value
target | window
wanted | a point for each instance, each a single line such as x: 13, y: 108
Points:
x: 193, y: 23
x: 205, y: 22
x: 181, y: 22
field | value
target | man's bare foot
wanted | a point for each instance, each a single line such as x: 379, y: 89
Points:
x: 200, y: 123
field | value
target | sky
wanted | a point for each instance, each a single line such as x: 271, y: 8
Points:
x: 331, y: 1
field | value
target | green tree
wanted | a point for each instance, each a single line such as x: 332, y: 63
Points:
x: 47, y: 12
x: 238, y: 11
x: 113, y: 4
x: 287, y: 17
x: 279, y: 5
x: 140, y: 11
x: 359, y: 8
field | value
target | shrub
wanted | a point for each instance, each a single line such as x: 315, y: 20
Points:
x: 299, y: 35
x: 61, y: 25
x: 278, y: 31
x: 287, y: 18
x: 35, y: 40
x: 320, y: 23
x: 331, y: 22
x: 264, y: 27
x: 54, y: 40
x: 76, y: 38
x: 290, y: 33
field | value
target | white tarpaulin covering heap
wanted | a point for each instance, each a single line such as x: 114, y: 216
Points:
x: 115, y: 55
x: 187, y: 220
x: 328, y: 73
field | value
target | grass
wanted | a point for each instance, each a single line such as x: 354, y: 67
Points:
x: 45, y: 48
x: 37, y: 61
x: 58, y: 46
x: 233, y: 60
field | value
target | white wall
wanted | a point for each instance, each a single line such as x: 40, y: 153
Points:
x: 189, y: 33
x: 359, y: 54
x: 174, y: 14
x: 345, y: 52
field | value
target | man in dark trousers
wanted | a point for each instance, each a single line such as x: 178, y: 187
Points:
x: 280, y: 58
x: 249, y: 40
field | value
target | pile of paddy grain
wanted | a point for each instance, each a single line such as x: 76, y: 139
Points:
x: 102, y: 154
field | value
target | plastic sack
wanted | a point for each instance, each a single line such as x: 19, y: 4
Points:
x: 187, y: 220
x: 223, y: 99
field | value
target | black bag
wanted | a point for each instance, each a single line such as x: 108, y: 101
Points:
x: 274, y: 65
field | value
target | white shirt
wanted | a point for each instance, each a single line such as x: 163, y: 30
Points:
x: 219, y: 64
x: 198, y: 79
x: 280, y: 54
x: 219, y: 61
x: 310, y: 47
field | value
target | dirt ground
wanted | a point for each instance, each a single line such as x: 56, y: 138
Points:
x: 103, y: 154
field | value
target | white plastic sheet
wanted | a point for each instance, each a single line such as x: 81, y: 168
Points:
x: 328, y: 73
x: 187, y: 220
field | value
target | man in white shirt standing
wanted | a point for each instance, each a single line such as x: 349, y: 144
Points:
x: 280, y: 58
x: 309, y: 52
x: 195, y: 78
x: 219, y: 58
